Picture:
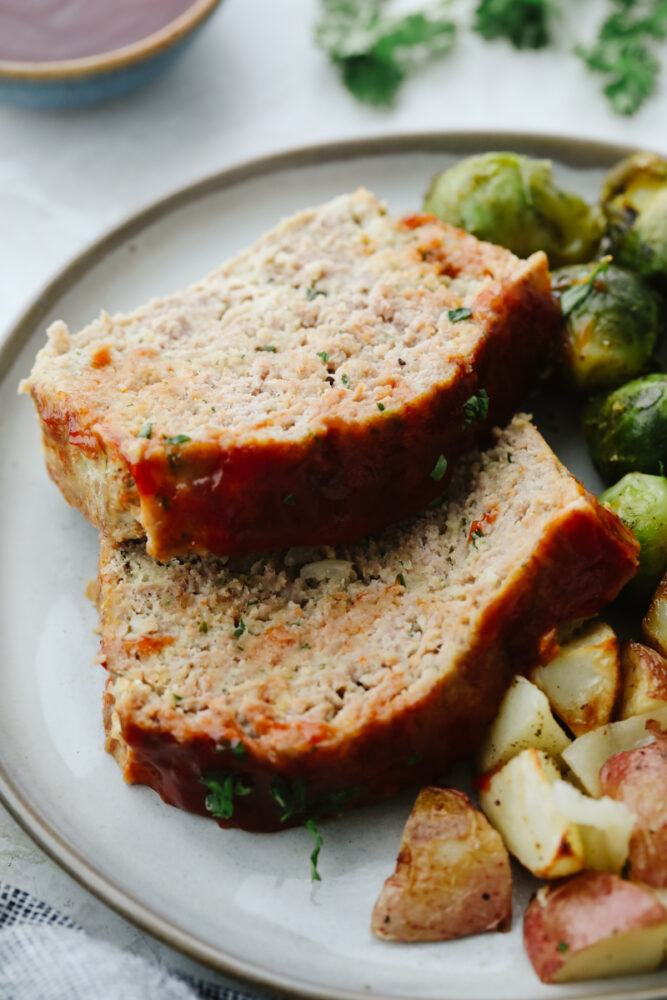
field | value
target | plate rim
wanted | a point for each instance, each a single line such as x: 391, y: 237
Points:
x: 574, y: 151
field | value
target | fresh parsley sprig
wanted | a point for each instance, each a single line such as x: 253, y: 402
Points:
x: 526, y: 23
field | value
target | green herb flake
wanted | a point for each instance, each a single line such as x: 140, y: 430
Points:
x: 476, y: 408
x: 203, y: 627
x: 268, y: 347
x: 222, y: 792
x: 239, y: 630
x: 305, y: 645
x: 509, y: 456
x: 290, y: 796
x: 439, y: 469
x: 177, y: 439
x: 345, y: 379
x: 456, y: 315
x: 312, y: 293
x: 324, y: 356
x: 525, y: 23
x: 311, y: 827
x: 477, y: 533
x: 563, y: 946
x: 289, y: 500
x: 239, y: 751
x: 176, y: 697
x: 146, y: 430
x: 400, y: 579
x: 381, y: 407
x: 576, y: 295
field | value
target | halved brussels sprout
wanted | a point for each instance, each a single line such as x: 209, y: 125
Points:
x: 512, y: 200
x: 641, y: 502
x: 626, y: 430
x: 634, y: 199
x: 612, y: 322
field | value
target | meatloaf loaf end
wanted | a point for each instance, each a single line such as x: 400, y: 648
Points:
x: 310, y: 391
x: 299, y: 683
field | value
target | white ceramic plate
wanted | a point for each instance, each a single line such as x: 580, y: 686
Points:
x: 242, y: 902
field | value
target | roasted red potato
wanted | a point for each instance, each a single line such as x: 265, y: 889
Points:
x: 452, y: 874
x: 594, y: 925
x: 644, y: 679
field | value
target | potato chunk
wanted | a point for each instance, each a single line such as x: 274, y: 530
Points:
x: 524, y: 720
x: 518, y: 799
x: 594, y: 925
x: 654, y: 625
x: 452, y: 874
x: 644, y: 679
x: 605, y: 826
x: 638, y: 778
x: 582, y: 682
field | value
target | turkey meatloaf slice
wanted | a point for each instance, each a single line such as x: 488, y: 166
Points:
x: 310, y: 391
x: 301, y: 682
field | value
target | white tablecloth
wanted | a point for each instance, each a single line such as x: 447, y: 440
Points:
x: 252, y: 83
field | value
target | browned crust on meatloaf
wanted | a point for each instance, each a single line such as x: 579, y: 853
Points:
x: 496, y: 606
x: 363, y: 454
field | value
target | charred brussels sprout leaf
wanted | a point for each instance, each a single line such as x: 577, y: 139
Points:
x: 513, y: 200
x: 626, y: 430
x: 641, y: 502
x: 612, y: 322
x: 634, y: 199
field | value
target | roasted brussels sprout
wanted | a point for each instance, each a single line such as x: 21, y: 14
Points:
x: 641, y: 502
x: 626, y: 430
x: 611, y: 325
x: 634, y: 199
x: 512, y: 200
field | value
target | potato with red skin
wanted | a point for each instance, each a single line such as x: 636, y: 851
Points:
x: 594, y: 925
x: 452, y: 875
x: 638, y: 778
x: 644, y: 679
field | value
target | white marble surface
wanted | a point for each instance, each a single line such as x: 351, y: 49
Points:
x: 251, y: 84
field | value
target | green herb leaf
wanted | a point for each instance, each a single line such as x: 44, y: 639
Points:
x: 576, y: 295
x: 222, y: 791
x: 239, y: 630
x: 345, y: 379
x: 324, y: 356
x: 239, y: 751
x: 268, y: 347
x: 563, y: 946
x: 375, y: 52
x: 439, y: 469
x: 476, y: 408
x: 525, y: 23
x: 289, y: 795
x: 311, y: 827
x: 400, y: 579
x: 456, y: 315
x: 312, y: 293
x: 145, y: 431
x: 177, y: 439
x: 624, y: 52
x: 289, y: 500
x: 203, y: 627
x: 381, y: 407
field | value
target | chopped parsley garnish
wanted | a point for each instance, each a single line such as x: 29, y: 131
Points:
x: 439, y: 469
x: 290, y: 796
x: 222, y: 792
x: 239, y: 630
x: 375, y: 51
x: 177, y: 439
x: 268, y: 347
x: 239, y: 751
x: 381, y: 407
x: 305, y: 645
x: 203, y: 627
x: 474, y: 535
x: 289, y: 500
x: 400, y: 579
x: 176, y: 697
x: 563, y: 946
x: 312, y: 293
x: 345, y: 379
x: 146, y: 430
x: 476, y: 408
x: 311, y: 827
x: 324, y: 356
x: 456, y: 315
x: 576, y: 295
x: 525, y: 23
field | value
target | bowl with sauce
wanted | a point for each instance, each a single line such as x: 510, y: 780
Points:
x: 73, y: 53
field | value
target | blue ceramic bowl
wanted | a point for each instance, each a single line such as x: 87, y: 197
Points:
x: 77, y: 83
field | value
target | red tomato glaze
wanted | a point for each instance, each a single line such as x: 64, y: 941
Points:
x: 54, y: 30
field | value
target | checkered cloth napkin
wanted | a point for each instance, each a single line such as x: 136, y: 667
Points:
x: 46, y: 956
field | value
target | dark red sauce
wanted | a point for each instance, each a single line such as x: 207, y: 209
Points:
x: 54, y: 30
